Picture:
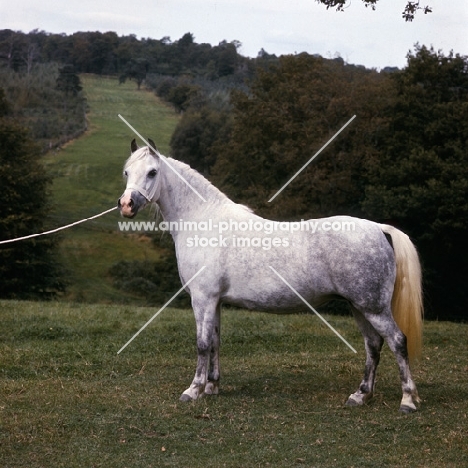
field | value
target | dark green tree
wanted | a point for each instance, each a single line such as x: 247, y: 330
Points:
x: 291, y: 110
x: 4, y: 106
x: 197, y: 134
x: 12, y: 46
x: 182, y: 95
x: 28, y: 268
x: 68, y: 81
x: 136, y: 69
x: 420, y: 180
x: 227, y: 59
x: 186, y: 41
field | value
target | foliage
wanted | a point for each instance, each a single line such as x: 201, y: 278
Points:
x: 136, y: 69
x: 4, y: 106
x: 196, y: 136
x: 409, y: 12
x: 69, y: 400
x: 126, y: 56
x: 68, y: 81
x: 182, y: 95
x: 196, y: 91
x: 48, y: 101
x: 292, y: 109
x: 27, y: 268
x: 154, y: 281
x: 420, y: 180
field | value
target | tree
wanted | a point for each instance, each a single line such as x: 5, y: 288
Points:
x: 290, y: 111
x: 4, y: 106
x: 136, y: 69
x: 195, y: 137
x: 47, y: 102
x: 12, y: 46
x: 68, y: 81
x: 411, y: 7
x: 227, y: 58
x: 182, y: 95
x: 186, y: 41
x: 420, y: 181
x: 27, y: 268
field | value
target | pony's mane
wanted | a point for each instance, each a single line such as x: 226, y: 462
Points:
x: 197, y: 180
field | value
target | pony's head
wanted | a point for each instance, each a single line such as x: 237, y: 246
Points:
x: 141, y: 172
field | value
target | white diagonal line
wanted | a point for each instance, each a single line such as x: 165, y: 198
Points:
x: 312, y: 309
x: 161, y: 309
x: 163, y: 158
x: 312, y: 158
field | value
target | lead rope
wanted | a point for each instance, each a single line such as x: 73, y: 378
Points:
x: 57, y: 229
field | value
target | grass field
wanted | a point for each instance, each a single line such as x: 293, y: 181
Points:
x: 88, y: 180
x: 67, y: 399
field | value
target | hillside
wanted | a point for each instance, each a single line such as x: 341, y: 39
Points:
x: 88, y: 180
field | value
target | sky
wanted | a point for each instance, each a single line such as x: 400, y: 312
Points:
x: 360, y: 36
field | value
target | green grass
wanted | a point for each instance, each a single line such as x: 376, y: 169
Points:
x: 67, y: 399
x: 88, y: 180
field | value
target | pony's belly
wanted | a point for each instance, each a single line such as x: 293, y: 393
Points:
x: 263, y: 307
x: 284, y: 304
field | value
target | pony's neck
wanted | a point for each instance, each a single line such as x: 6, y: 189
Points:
x: 178, y: 200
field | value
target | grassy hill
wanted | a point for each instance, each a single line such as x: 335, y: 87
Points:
x: 88, y: 180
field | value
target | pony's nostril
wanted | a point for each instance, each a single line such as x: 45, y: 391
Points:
x: 131, y: 203
x: 118, y: 203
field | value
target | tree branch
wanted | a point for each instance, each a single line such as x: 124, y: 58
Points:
x: 411, y: 8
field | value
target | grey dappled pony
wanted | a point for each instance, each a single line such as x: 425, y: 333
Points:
x: 375, y: 267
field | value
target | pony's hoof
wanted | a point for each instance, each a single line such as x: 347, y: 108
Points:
x: 405, y: 409
x: 212, y: 388
x: 185, y: 398
x: 359, y: 399
x: 351, y: 402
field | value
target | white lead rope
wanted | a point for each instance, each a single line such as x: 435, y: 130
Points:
x: 58, y: 229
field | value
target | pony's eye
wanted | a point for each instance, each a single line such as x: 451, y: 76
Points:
x: 152, y: 173
x: 125, y: 174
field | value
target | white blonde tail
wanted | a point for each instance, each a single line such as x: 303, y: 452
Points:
x: 407, y: 304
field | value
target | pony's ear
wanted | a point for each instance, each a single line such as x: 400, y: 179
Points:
x: 133, y: 145
x: 152, y: 147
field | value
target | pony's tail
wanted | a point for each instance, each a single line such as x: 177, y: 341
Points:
x: 407, y: 304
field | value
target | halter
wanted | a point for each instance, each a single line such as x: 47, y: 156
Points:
x: 150, y: 190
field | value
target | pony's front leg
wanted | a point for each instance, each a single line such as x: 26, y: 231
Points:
x: 212, y: 385
x: 207, y: 317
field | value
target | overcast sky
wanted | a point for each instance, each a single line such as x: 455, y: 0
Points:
x: 361, y: 36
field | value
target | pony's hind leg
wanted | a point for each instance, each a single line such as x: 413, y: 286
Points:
x: 386, y: 327
x: 206, y: 380
x: 373, y: 343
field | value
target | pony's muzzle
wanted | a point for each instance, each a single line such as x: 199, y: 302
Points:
x: 130, y: 203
